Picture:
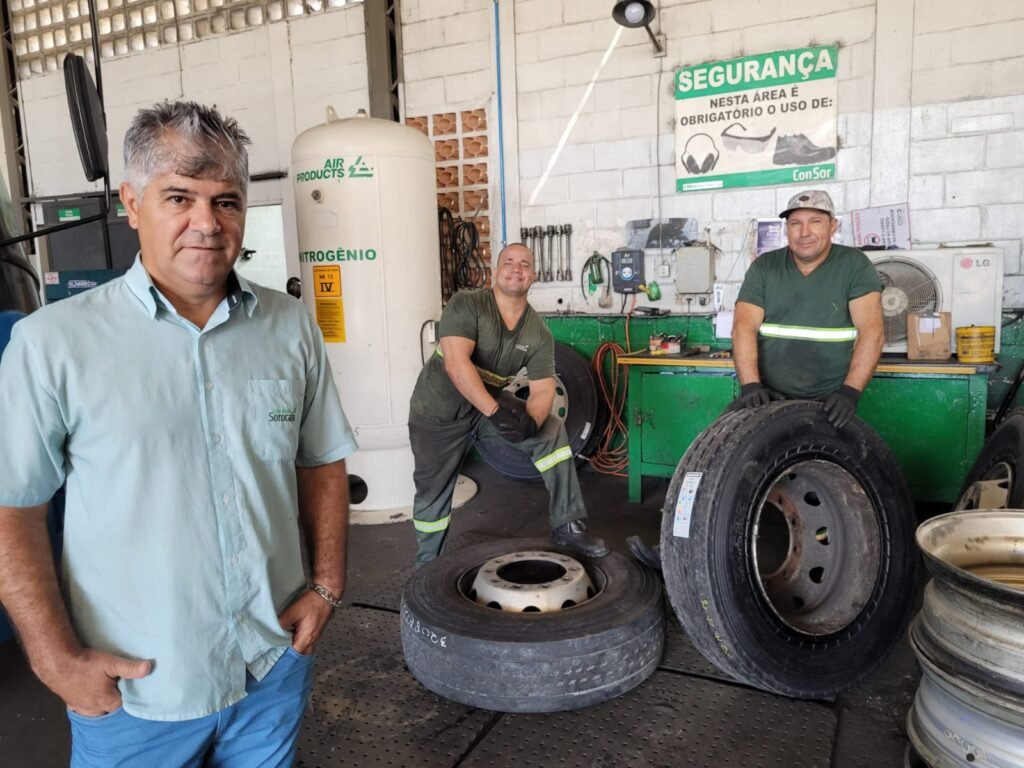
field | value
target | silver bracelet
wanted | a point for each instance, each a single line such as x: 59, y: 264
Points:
x: 325, y: 594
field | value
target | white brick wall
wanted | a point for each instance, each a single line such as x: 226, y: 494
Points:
x: 930, y: 107
x: 949, y: 141
x: 275, y: 80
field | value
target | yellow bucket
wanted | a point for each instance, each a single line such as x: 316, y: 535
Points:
x: 976, y: 344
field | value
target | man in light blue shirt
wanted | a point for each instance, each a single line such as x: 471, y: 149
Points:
x: 195, y: 422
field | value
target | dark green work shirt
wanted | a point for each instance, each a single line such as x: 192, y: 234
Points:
x: 499, y: 355
x: 806, y: 340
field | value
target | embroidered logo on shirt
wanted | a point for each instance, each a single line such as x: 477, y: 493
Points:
x: 523, y: 347
x: 282, y: 414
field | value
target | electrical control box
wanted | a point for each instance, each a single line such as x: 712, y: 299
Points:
x: 695, y: 278
x: 627, y: 270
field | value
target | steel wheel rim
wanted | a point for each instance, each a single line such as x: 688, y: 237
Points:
x: 992, y: 491
x: 815, y: 547
x: 520, y: 387
x: 562, y: 584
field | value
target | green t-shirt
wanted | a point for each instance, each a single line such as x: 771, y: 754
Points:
x: 499, y: 355
x: 806, y: 340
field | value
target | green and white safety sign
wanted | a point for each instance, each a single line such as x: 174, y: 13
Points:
x: 757, y: 120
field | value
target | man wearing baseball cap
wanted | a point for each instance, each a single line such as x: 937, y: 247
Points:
x: 808, y: 320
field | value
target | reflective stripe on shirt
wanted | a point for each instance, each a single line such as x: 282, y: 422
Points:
x: 806, y: 333
x: 487, y: 377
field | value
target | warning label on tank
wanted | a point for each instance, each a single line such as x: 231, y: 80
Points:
x: 327, y: 282
x: 330, y: 316
x: 684, y: 505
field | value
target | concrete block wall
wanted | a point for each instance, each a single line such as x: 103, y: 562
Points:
x: 276, y: 80
x: 928, y: 113
x: 929, y: 110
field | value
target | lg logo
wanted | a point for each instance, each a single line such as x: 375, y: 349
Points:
x: 967, y: 262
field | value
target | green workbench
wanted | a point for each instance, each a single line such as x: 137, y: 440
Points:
x: 932, y: 416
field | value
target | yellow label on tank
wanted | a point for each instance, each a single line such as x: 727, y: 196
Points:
x: 330, y: 316
x: 327, y: 281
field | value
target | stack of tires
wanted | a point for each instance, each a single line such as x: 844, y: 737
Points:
x: 969, y: 640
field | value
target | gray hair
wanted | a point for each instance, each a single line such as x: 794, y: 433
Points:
x: 191, y: 139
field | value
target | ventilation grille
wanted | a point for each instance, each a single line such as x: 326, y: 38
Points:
x: 906, y: 288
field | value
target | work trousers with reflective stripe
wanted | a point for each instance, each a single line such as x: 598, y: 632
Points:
x: 439, y: 451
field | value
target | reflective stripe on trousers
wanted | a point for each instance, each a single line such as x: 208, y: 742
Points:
x: 432, y: 526
x: 553, y: 459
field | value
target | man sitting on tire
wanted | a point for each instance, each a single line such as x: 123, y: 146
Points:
x: 808, y: 320
x: 487, y: 337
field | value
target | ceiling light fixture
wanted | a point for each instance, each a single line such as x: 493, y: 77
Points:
x: 638, y: 13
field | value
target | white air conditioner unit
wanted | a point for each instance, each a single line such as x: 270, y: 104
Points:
x: 966, y: 282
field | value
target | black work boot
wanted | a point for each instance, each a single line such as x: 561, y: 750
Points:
x: 575, y: 536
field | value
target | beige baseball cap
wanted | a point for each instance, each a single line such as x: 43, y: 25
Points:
x: 812, y: 198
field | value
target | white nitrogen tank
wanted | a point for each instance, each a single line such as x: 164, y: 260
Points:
x: 368, y: 250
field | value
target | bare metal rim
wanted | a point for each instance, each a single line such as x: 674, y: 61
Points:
x: 534, y: 581
x: 559, y: 406
x: 959, y: 546
x: 992, y: 491
x: 953, y: 724
x: 816, y: 547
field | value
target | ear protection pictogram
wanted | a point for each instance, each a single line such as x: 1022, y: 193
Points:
x: 700, y: 154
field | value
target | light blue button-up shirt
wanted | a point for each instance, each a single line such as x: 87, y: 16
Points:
x: 179, y: 448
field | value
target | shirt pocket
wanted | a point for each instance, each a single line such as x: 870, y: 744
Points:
x: 275, y: 409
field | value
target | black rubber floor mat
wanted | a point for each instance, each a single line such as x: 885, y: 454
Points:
x: 681, y: 655
x: 385, y: 590
x: 671, y: 720
x: 367, y: 709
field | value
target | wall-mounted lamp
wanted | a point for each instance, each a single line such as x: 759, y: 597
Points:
x: 638, y: 13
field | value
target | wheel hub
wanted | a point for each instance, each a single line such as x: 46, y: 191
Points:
x: 991, y: 492
x: 520, y: 387
x: 532, y: 582
x: 816, y: 547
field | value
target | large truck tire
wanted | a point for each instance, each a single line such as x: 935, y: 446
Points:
x: 576, y: 404
x: 531, y: 661
x: 788, y: 549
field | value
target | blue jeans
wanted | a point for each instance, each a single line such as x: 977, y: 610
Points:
x: 260, y: 730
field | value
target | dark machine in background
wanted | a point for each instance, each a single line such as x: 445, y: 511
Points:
x: 85, y: 248
x: 19, y: 284
x: 109, y: 244
x: 627, y: 270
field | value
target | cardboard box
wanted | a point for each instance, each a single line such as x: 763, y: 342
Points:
x: 929, y: 335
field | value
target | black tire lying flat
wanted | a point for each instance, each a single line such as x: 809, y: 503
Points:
x: 996, y: 481
x: 531, y: 662
x: 584, y: 416
x: 823, y: 610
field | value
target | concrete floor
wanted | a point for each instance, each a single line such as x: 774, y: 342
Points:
x: 368, y: 710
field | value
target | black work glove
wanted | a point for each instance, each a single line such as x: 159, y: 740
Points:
x: 841, y: 405
x: 511, y: 419
x: 753, y: 396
